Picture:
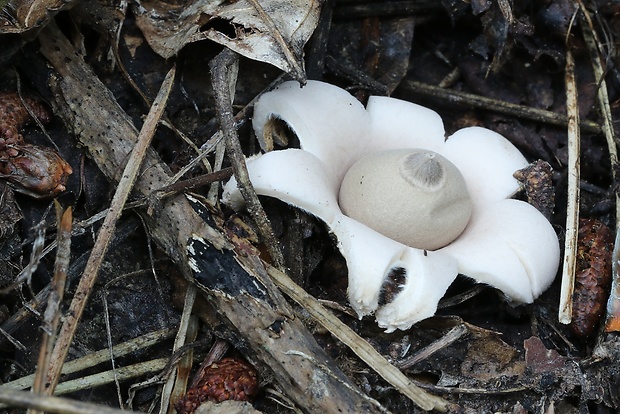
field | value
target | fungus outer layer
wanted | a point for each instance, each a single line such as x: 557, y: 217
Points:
x: 506, y: 243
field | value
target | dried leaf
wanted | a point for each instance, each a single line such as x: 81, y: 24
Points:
x: 28, y: 14
x: 489, y: 358
x: 271, y: 31
x: 539, y: 359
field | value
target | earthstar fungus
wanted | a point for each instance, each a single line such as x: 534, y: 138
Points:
x: 399, y: 197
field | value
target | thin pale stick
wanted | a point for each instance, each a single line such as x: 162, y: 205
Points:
x: 98, y: 357
x: 454, y: 97
x: 448, y: 339
x: 589, y: 35
x: 53, y: 404
x: 182, y: 336
x: 52, y: 311
x: 184, y: 368
x: 565, y: 312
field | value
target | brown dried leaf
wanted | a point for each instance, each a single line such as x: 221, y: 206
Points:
x: 539, y: 359
x: 489, y: 357
x: 271, y: 31
x: 29, y: 14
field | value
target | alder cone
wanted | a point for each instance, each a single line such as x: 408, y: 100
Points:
x: 14, y: 115
x: 228, y: 379
x: 593, y: 276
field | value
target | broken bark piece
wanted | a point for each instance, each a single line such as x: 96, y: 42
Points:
x: 537, y: 182
x: 268, y: 330
x: 593, y: 276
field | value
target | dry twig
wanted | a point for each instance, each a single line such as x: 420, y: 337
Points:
x: 98, y: 357
x: 52, y: 311
x: 53, y: 404
x: 224, y: 77
x: 175, y: 386
x: 572, y: 210
x: 448, y: 339
x: 495, y: 105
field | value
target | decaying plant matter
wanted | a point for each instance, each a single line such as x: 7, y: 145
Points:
x: 271, y: 282
x: 593, y: 278
x: 227, y: 379
x: 31, y: 169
